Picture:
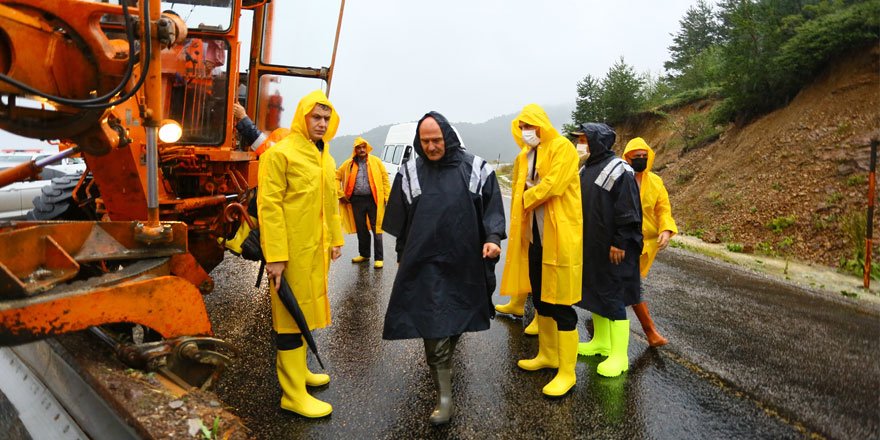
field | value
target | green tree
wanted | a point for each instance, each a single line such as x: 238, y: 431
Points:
x: 588, y: 105
x: 752, y: 33
x: 771, y: 48
x: 699, y: 31
x: 622, y: 92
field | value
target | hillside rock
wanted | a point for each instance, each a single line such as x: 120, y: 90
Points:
x: 785, y: 184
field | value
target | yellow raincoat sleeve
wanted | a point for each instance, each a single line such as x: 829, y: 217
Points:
x: 386, y: 183
x: 563, y: 170
x: 663, y: 211
x: 331, y: 206
x: 340, y: 180
x: 272, y: 177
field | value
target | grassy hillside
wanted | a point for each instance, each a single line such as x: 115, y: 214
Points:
x: 792, y: 183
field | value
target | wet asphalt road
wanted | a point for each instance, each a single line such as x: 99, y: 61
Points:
x: 748, y: 358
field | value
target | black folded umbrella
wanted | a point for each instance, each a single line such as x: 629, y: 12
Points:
x: 251, y: 250
x: 289, y: 301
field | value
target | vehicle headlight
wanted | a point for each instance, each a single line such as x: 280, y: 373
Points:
x: 170, y: 131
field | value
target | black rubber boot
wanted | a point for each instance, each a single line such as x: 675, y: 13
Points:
x: 439, y: 355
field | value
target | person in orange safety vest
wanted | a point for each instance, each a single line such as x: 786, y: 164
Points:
x: 363, y: 192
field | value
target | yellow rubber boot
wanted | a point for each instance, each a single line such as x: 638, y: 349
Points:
x: 601, y: 342
x: 359, y: 259
x: 532, y: 328
x: 548, y: 356
x: 516, y: 306
x: 292, y: 370
x: 565, y: 376
x: 315, y: 379
x: 618, y: 360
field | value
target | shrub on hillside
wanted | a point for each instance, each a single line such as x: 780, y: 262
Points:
x: 771, y: 49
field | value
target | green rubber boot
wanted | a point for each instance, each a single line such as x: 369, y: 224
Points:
x: 601, y: 342
x: 618, y: 361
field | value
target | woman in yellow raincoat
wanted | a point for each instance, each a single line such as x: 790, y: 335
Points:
x: 363, y: 193
x: 658, y: 226
x: 545, y: 251
x: 300, y: 232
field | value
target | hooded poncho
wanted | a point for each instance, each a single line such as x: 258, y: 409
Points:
x: 656, y: 209
x: 442, y: 212
x: 299, y: 217
x: 379, y: 186
x: 558, y: 194
x: 612, y: 217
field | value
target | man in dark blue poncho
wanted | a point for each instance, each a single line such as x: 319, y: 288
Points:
x: 446, y: 211
x: 612, y: 246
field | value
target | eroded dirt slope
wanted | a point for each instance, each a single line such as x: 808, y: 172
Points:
x: 785, y: 184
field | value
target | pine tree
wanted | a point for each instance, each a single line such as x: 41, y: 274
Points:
x: 588, y: 107
x: 622, y: 94
x: 699, y: 31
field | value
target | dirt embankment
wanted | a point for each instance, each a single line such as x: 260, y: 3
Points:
x: 786, y: 184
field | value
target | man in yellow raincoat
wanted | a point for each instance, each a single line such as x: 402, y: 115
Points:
x: 363, y: 193
x: 545, y: 250
x: 300, y: 233
x: 658, y: 226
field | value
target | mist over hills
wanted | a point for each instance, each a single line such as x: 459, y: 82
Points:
x: 490, y: 139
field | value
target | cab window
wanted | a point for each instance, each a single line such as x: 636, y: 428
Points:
x: 398, y: 153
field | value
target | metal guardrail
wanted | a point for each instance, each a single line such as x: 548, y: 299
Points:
x: 52, y: 399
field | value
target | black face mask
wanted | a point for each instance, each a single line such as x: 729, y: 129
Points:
x: 639, y: 164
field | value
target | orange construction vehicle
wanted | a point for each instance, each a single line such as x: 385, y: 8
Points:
x: 145, y: 97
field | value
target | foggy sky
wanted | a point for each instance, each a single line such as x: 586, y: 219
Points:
x: 468, y: 59
x: 473, y: 60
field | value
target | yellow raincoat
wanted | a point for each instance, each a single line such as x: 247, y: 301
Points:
x: 656, y: 209
x: 299, y: 215
x: 379, y: 185
x: 560, y: 193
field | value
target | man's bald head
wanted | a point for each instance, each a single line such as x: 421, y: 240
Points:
x: 431, y: 137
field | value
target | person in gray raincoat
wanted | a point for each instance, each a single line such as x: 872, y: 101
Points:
x: 446, y: 211
x: 612, y: 246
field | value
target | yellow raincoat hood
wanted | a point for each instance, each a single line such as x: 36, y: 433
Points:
x: 305, y: 106
x: 639, y: 144
x: 656, y: 209
x: 559, y: 194
x: 533, y: 114
x: 359, y: 141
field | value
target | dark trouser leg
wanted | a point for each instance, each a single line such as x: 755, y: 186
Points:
x: 288, y: 341
x: 377, y: 238
x: 565, y: 316
x: 359, y: 207
x: 439, y: 356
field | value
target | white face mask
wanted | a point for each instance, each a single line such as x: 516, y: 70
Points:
x: 582, y: 150
x: 530, y: 138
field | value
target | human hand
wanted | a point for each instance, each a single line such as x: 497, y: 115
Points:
x: 491, y: 250
x: 663, y: 239
x: 238, y: 112
x: 335, y: 252
x: 275, y: 271
x: 616, y: 255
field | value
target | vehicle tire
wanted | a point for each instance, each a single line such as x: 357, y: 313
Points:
x: 55, y: 201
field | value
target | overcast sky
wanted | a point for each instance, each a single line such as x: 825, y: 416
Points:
x: 468, y: 59
x: 476, y: 59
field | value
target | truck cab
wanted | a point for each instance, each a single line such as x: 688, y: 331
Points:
x: 398, y: 147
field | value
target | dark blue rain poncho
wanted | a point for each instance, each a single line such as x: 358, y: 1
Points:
x: 442, y: 212
x: 612, y: 216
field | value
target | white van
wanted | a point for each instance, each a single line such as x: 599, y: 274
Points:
x: 398, y: 146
